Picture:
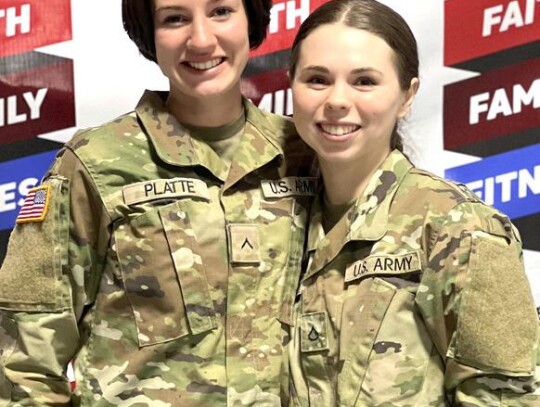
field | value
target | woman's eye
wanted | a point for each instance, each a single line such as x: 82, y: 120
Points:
x: 174, y: 19
x: 222, y: 12
x: 365, y: 82
x: 316, y: 80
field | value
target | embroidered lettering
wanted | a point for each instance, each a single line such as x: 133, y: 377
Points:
x: 306, y: 187
x: 384, y: 264
x: 358, y: 269
x: 158, y: 188
x: 289, y: 186
x: 164, y: 189
x: 279, y: 187
x: 404, y: 264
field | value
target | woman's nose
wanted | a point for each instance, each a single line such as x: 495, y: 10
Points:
x: 337, y: 99
x: 202, y: 36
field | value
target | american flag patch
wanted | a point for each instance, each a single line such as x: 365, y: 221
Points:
x: 35, y: 205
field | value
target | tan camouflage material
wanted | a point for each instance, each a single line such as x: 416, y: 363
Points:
x: 167, y: 278
x: 417, y: 297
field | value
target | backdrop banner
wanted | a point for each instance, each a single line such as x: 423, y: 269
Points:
x: 67, y: 65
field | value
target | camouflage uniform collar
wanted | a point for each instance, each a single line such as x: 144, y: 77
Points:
x: 369, y: 218
x: 366, y: 220
x: 175, y: 146
x: 260, y: 144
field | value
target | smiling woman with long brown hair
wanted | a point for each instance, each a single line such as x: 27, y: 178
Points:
x: 414, y: 293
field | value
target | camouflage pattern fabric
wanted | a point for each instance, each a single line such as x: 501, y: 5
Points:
x: 168, y: 278
x: 417, y: 297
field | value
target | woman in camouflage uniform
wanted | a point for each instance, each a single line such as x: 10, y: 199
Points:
x: 161, y: 252
x: 414, y: 293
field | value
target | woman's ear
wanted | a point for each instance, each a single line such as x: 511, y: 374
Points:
x: 409, y: 98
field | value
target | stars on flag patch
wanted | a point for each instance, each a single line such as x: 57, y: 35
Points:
x: 35, y: 205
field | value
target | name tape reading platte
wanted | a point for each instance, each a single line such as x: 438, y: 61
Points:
x: 165, y: 189
x: 290, y: 186
x: 384, y: 264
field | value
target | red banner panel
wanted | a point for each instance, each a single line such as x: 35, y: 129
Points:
x: 494, y: 112
x: 29, y: 24
x: 286, y: 17
x: 37, y: 99
x: 482, y: 35
x: 270, y: 91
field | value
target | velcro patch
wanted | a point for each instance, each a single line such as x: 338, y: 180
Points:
x: 290, y: 186
x: 35, y: 205
x: 165, y: 189
x: 37, y: 253
x: 245, y: 246
x: 314, y: 332
x: 384, y: 264
x: 497, y: 326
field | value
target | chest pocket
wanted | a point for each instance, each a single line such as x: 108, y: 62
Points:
x: 383, y: 341
x: 362, y: 317
x: 164, y: 275
x: 371, y: 331
x: 335, y: 344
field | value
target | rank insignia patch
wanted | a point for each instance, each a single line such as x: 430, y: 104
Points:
x: 35, y: 205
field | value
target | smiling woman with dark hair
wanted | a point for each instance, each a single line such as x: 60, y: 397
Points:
x: 165, y: 262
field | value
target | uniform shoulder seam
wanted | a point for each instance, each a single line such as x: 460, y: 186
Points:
x: 465, y: 193
x: 104, y: 128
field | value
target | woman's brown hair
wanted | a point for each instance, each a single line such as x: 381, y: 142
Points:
x: 138, y: 20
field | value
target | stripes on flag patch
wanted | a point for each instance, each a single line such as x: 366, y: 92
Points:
x: 35, y: 205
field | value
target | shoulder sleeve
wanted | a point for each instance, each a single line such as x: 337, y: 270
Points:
x: 50, y: 274
x: 58, y: 243
x: 477, y: 303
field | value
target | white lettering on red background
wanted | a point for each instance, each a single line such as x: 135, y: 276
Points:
x: 294, y: 16
x: 9, y: 113
x: 17, y: 20
x: 501, y: 103
x: 501, y: 18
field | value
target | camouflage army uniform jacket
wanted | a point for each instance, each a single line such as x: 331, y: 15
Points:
x: 417, y: 297
x: 116, y: 276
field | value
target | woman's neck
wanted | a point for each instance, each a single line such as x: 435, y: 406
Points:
x: 209, y: 111
x: 344, y: 181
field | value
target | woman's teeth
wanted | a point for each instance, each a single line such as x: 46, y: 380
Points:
x: 205, y: 65
x: 339, y: 130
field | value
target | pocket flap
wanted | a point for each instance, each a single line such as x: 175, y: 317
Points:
x: 164, y: 276
x: 190, y: 271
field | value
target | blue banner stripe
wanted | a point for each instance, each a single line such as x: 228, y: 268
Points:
x: 16, y: 178
x: 508, y: 181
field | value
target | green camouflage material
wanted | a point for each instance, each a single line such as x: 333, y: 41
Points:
x: 166, y: 277
x: 417, y: 297
x: 7, y: 342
